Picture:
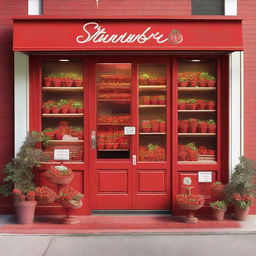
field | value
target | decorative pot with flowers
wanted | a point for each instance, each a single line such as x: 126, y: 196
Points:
x: 55, y: 108
x: 50, y: 133
x: 59, y: 174
x: 19, y: 174
x: 189, y: 202
x: 77, y: 79
x: 211, y: 81
x: 202, y: 126
x: 151, y: 152
x: 193, y: 79
x: 78, y: 105
x: 181, y: 104
x: 68, y: 197
x: 45, y: 195
x: 242, y: 205
x: 182, y: 81
x: 191, y: 104
x: 203, y: 79
x: 211, y: 126
x: 192, y: 152
x: 64, y: 106
x: 143, y: 79
x: 192, y: 122
x: 46, y: 108
x: 218, y: 209
x: 217, y: 191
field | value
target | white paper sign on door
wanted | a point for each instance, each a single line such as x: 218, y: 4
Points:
x: 204, y: 177
x: 129, y: 130
x: 61, y: 154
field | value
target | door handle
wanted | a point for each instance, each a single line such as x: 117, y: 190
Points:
x: 134, y: 160
x: 93, y: 140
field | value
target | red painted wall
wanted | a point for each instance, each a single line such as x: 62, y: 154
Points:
x: 117, y: 7
x: 8, y: 8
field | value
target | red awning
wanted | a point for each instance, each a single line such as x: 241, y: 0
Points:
x: 45, y: 33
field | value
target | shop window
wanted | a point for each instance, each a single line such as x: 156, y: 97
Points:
x: 207, y: 7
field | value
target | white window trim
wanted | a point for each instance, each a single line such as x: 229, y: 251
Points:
x: 230, y: 7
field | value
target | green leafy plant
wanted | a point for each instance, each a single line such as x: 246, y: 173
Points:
x: 19, y: 171
x: 220, y: 205
x: 242, y: 180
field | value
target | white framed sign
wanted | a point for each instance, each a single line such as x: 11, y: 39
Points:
x: 204, y: 177
x: 129, y: 130
x: 61, y: 154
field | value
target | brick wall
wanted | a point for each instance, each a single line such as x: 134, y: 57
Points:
x: 117, y: 7
x: 8, y: 8
x: 247, y: 9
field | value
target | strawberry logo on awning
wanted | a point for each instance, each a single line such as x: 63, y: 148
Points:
x: 95, y: 33
x: 175, y: 37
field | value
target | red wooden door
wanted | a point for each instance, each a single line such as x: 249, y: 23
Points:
x: 129, y: 172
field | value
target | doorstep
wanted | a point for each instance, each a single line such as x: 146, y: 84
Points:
x: 126, y: 224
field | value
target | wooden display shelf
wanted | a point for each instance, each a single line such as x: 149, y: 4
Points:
x: 196, y: 89
x: 196, y: 134
x: 152, y: 133
x: 66, y: 141
x: 63, y: 89
x: 110, y: 100
x: 152, y: 87
x: 197, y: 162
x: 196, y: 111
x: 114, y: 124
x: 63, y: 115
x: 114, y: 150
x: 152, y: 106
x: 61, y: 162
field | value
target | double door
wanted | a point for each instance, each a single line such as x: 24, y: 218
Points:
x: 129, y: 123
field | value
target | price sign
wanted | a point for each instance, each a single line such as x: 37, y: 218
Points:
x: 204, y: 177
x: 61, y: 154
x: 129, y: 130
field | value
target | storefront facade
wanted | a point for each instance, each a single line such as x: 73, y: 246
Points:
x: 133, y: 153
x: 145, y: 169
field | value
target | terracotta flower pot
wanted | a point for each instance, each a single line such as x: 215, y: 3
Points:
x: 202, y: 83
x: 211, y: 83
x: 218, y: 214
x: 46, y: 110
x: 242, y: 214
x: 72, y: 110
x: 25, y: 211
x: 181, y: 106
x: 192, y: 128
x: 146, y: 100
x: 193, y: 84
x: 183, y: 84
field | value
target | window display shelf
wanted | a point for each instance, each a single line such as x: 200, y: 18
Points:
x: 113, y: 124
x: 152, y: 87
x: 196, y: 134
x: 63, y: 115
x: 63, y: 89
x: 197, y: 162
x: 152, y: 106
x: 152, y: 133
x: 61, y: 162
x: 196, y: 89
x: 66, y: 141
x: 111, y: 150
x: 196, y: 111
x: 114, y: 100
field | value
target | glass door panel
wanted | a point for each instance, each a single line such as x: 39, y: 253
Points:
x: 197, y: 116
x: 152, y: 112
x: 113, y: 81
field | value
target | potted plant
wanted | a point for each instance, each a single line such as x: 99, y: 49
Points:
x: 146, y: 99
x: 193, y: 79
x: 211, y: 81
x: 202, y: 79
x: 154, y: 125
x: 50, y: 133
x: 19, y: 174
x: 77, y: 79
x: 211, y: 126
x: 202, y: 126
x: 210, y: 105
x: 162, y: 125
x: 182, y: 81
x: 240, y: 191
x: 68, y: 80
x: 146, y: 126
x: 182, y: 153
x: 46, y: 108
x: 192, y: 152
x: 201, y: 104
x: 55, y: 108
x: 59, y: 174
x: 64, y: 106
x: 45, y: 195
x: 217, y: 191
x: 48, y: 81
x: 191, y: 104
x: 143, y: 80
x: 161, y: 100
x: 183, y: 126
x: 181, y: 104
x: 218, y: 209
x: 78, y: 106
x: 154, y: 99
x: 192, y: 125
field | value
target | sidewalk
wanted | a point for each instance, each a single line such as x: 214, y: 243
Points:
x: 127, y: 224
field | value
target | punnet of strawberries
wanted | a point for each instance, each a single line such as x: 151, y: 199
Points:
x: 19, y: 196
x: 44, y: 194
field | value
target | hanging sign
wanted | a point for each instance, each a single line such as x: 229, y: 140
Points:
x: 129, y: 130
x: 204, y: 177
x: 61, y: 154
